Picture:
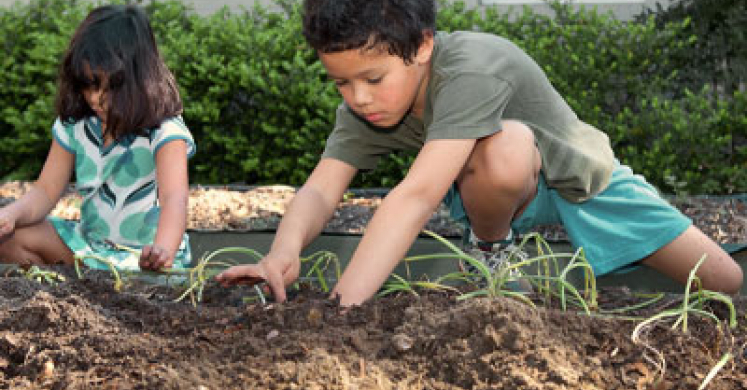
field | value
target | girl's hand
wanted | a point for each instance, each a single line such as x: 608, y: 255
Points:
x: 7, y: 223
x: 276, y: 271
x: 155, y: 257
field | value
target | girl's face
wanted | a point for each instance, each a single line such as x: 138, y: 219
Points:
x: 379, y: 86
x: 96, y: 94
x: 96, y: 97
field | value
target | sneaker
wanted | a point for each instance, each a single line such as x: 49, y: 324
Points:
x: 496, y: 256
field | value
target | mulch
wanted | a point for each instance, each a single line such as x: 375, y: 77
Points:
x: 247, y: 209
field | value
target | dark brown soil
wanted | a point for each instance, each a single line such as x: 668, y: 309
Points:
x: 82, y: 334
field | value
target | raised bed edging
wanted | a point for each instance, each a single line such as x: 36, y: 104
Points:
x: 343, y: 245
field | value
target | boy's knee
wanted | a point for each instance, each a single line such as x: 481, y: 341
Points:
x: 507, y: 160
x: 518, y: 130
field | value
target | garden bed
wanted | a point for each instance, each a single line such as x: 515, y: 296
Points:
x: 86, y: 334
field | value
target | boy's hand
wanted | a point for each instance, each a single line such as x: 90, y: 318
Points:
x: 155, y: 257
x: 277, y: 272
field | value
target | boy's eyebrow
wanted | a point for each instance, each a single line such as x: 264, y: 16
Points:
x: 363, y: 73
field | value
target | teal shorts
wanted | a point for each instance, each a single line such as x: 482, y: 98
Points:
x: 617, y: 228
x: 92, y: 252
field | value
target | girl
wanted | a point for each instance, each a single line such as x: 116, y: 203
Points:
x: 119, y: 128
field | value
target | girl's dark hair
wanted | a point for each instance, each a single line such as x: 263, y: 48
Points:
x: 116, y: 42
x: 397, y: 26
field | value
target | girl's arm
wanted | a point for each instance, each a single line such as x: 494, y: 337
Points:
x: 173, y: 195
x: 400, y: 217
x: 36, y: 204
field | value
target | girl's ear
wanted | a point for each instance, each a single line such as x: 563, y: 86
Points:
x: 426, y: 49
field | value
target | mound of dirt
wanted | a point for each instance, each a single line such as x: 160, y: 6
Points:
x: 83, y: 334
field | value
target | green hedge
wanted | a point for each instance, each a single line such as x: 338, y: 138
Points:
x: 719, y: 54
x: 260, y: 108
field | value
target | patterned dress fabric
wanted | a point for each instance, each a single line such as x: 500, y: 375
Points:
x: 120, y: 194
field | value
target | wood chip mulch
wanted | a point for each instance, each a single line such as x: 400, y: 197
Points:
x: 245, y: 209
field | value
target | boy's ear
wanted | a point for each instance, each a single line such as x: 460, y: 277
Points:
x: 426, y: 48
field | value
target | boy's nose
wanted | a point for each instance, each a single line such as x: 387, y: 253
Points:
x: 362, y: 97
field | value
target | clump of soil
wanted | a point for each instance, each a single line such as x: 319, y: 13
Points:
x: 82, y: 334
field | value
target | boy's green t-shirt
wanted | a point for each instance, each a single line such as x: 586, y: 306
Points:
x: 476, y: 81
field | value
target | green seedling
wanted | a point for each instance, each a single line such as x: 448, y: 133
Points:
x: 712, y: 374
x: 703, y: 296
x: 494, y: 281
x: 551, y: 282
x: 456, y: 276
x: 121, y: 247
x: 42, y: 276
x: 200, y: 274
x: 619, y: 313
x: 320, y: 261
x: 681, y: 317
x: 78, y: 260
x: 400, y: 284
x: 689, y: 306
x: 651, y: 298
x: 207, y: 268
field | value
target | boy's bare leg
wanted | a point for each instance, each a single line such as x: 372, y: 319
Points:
x: 719, y: 272
x: 500, y: 180
x: 35, y: 244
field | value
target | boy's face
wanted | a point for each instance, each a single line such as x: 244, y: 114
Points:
x: 379, y: 86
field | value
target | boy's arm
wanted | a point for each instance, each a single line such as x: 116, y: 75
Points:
x: 312, y: 206
x: 306, y: 216
x: 173, y: 196
x: 400, y: 218
x: 36, y: 204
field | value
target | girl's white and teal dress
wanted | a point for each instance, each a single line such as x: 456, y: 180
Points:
x: 120, y: 194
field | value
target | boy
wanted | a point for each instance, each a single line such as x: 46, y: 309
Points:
x: 495, y: 141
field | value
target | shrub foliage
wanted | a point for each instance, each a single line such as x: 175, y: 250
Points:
x: 258, y: 103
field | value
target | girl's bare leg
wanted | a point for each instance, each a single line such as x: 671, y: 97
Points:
x: 35, y: 244
x: 719, y: 272
x: 500, y: 180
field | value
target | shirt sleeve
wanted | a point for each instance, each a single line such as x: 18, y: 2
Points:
x: 173, y: 129
x: 63, y: 134
x: 469, y: 106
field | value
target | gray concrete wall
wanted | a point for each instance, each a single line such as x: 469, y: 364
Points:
x: 622, y: 9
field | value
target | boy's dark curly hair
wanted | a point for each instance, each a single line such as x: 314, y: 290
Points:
x: 397, y: 26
